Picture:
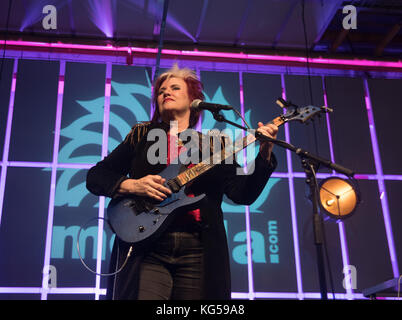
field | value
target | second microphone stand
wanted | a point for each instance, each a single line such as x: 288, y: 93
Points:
x: 310, y: 164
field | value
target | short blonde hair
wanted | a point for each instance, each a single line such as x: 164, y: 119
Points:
x: 176, y: 72
x: 194, y: 90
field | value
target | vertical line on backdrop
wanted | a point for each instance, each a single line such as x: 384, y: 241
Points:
x: 101, y: 210
x: 341, y: 226
x: 247, y: 208
x: 6, y: 147
x: 380, y: 177
x: 53, y: 178
x: 293, y: 212
x: 198, y: 126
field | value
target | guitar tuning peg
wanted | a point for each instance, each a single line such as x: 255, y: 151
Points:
x: 326, y: 109
x: 280, y: 103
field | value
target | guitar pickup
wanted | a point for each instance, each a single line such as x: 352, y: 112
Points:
x: 135, y: 205
x: 173, y: 185
x: 129, y: 203
x: 148, y: 206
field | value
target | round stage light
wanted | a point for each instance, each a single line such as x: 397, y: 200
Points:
x: 338, y: 197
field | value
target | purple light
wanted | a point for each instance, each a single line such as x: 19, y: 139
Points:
x: 247, y: 58
x: 247, y: 209
x: 20, y: 290
x: 105, y: 146
x: 76, y: 290
x: 13, y: 83
x: 199, y: 123
x: 381, y: 185
x: 109, y: 50
x: 65, y: 290
x: 152, y: 90
x: 106, y: 112
x: 75, y: 165
x: 293, y: 213
x: 312, y: 61
x: 281, y: 175
x: 101, y: 14
x: 294, y: 295
x: 202, y: 19
x: 364, y: 176
x: 345, y: 256
x: 280, y: 295
x: 331, y: 148
x: 239, y: 295
x: 235, y: 295
x: 341, y: 227
x: 155, y: 8
x: 172, y: 21
x: 274, y: 174
x: 61, y: 86
x: 67, y: 46
x: 34, y: 14
x: 6, y: 147
x: 29, y: 164
x: 391, y: 177
x: 49, y: 232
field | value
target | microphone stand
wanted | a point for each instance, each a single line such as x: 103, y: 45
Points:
x: 310, y: 163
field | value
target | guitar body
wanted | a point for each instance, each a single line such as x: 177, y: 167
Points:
x: 141, y: 220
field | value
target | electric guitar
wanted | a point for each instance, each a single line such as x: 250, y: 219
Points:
x: 140, y: 220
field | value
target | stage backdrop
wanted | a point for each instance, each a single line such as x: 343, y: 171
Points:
x: 61, y: 114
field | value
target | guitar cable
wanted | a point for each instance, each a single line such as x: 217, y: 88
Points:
x: 85, y: 265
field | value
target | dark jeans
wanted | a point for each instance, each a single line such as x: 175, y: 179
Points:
x: 173, y: 269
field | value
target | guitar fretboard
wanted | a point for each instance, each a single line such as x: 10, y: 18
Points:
x: 219, y: 157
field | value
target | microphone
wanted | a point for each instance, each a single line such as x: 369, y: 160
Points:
x: 213, y: 107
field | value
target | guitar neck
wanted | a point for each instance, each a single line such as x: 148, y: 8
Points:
x: 219, y: 157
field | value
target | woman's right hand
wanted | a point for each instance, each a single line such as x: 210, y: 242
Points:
x: 149, y: 186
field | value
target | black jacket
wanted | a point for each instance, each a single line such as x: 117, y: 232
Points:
x: 129, y: 158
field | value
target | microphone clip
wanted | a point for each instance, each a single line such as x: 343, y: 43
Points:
x: 285, y: 104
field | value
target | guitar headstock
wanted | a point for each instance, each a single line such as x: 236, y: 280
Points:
x: 303, y: 114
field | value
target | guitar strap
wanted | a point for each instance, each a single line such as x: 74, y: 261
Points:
x: 139, y: 130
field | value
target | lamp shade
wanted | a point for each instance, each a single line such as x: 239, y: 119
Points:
x: 338, y: 197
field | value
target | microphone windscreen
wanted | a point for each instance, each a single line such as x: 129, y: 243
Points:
x: 195, y: 103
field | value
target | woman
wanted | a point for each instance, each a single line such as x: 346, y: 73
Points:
x: 190, y: 260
